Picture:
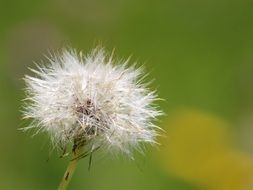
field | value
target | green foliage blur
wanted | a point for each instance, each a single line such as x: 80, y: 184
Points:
x: 201, y: 56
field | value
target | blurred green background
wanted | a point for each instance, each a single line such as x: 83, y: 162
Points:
x: 201, y: 56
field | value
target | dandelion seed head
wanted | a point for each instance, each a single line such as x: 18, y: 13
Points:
x: 91, y: 100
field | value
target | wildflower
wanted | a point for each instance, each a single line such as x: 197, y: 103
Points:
x: 91, y: 101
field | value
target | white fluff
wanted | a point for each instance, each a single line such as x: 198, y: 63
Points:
x: 91, y: 100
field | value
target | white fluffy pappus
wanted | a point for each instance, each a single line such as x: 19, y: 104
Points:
x: 92, y: 101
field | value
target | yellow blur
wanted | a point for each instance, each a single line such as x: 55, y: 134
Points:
x: 199, y: 149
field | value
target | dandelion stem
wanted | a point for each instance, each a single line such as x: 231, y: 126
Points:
x: 70, y: 169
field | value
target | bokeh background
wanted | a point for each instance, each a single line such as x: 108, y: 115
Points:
x: 201, y: 56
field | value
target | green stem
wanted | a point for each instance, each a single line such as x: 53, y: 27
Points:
x: 70, y: 170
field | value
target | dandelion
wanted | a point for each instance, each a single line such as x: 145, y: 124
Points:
x: 91, y: 102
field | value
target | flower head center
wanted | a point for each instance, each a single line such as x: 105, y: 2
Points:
x: 87, y: 118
